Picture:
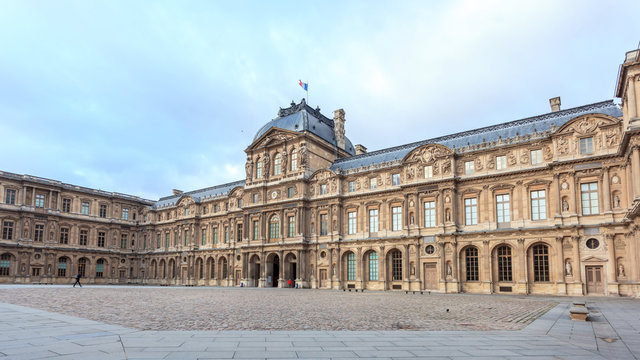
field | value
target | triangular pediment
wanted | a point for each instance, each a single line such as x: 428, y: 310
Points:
x: 594, y: 259
x: 427, y: 154
x: 273, y: 136
x: 322, y: 174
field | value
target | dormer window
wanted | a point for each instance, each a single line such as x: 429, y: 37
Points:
x: 586, y: 146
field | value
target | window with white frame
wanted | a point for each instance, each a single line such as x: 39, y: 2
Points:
x: 373, y: 183
x: 85, y: 208
x: 428, y: 172
x: 352, y: 186
x: 277, y: 164
x: 39, y: 200
x: 429, y: 214
x: 395, y: 178
x: 396, y: 218
x: 468, y: 167
x: 294, y: 160
x: 471, y: 211
x: 352, y: 225
x: 10, y: 197
x: 373, y: 220
x: 536, y: 156
x: 589, y: 196
x: 501, y: 162
x: 259, y: 169
x: 538, y: 205
x: 586, y: 145
x: 323, y: 189
x: 503, y: 212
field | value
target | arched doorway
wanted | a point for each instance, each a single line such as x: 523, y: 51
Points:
x: 273, y: 270
x: 254, y: 271
x: 290, y: 269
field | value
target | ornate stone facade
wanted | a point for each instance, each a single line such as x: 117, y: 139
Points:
x: 543, y: 205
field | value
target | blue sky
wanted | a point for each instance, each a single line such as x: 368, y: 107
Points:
x: 142, y: 97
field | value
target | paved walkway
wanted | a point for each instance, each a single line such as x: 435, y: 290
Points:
x: 614, y: 333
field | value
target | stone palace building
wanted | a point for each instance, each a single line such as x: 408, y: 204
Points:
x: 543, y: 205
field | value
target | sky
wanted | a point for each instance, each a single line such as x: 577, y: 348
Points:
x: 142, y: 97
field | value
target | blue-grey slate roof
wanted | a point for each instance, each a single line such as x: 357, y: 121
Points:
x: 474, y: 137
x: 199, y: 195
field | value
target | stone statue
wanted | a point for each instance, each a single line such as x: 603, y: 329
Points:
x: 266, y: 162
x: 616, y: 201
x: 448, y: 215
x: 303, y: 155
x: 565, y: 205
x: 249, y: 168
x: 568, y: 268
x: 285, y: 157
x: 449, y: 270
x: 621, y: 270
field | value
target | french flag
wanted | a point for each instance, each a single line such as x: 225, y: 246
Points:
x: 303, y: 85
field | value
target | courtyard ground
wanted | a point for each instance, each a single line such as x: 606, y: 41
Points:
x: 217, y: 308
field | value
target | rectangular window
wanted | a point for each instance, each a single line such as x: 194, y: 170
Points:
x: 373, y: 183
x: 538, y: 205
x: 429, y: 214
x: 396, y: 218
x: 215, y: 235
x: 536, y: 157
x: 62, y: 267
x: 123, y: 241
x: 103, y: 211
x: 428, y: 172
x: 351, y: 267
x: 351, y: 216
x: 501, y: 162
x: 66, y: 205
x: 38, y: 234
x: 290, y: 192
x: 274, y: 228
x: 396, y: 179
x: 589, y: 197
x: 294, y: 161
x: 99, y: 270
x: 324, y: 224
x: 204, y: 237
x: 166, y: 240
x: 158, y: 241
x: 352, y: 186
x: 373, y: 265
x: 258, y: 169
x: 7, y: 230
x: 5, y: 266
x: 323, y: 189
x: 468, y: 167
x: 471, y: 211
x: 39, y: 200
x: 292, y: 226
x: 373, y: 220
x: 226, y: 234
x: 101, y: 237
x: 85, y: 208
x: 503, y: 208
x: 239, y: 232
x: 64, y: 235
x: 256, y: 230
x: 10, y: 197
x: 84, y: 236
x: 239, y: 203
x: 586, y: 145
x: 186, y: 211
x: 125, y: 213
x: 216, y: 208
x: 205, y: 209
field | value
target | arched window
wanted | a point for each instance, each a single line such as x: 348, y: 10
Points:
x: 200, y: 269
x: 471, y: 263
x: 274, y: 227
x: 100, y: 268
x: 504, y: 263
x: 541, y: 263
x: 277, y: 164
x: 373, y: 265
x: 5, y: 264
x: 62, y: 266
x: 82, y: 266
x: 396, y: 265
x: 351, y: 266
x: 294, y: 160
x: 258, y: 169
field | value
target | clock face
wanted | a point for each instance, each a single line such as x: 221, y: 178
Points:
x: 274, y: 194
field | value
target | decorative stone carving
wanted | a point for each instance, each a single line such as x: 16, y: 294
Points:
x: 611, y: 137
x: 565, y: 205
x: 621, y: 270
x: 616, y: 201
x: 302, y: 153
x: 563, y: 145
x: 410, y: 172
x: 568, y: 268
x: 524, y: 158
x: 491, y: 164
x: 478, y: 164
x: 512, y: 159
x: 547, y: 153
x: 266, y: 162
x: 446, y: 167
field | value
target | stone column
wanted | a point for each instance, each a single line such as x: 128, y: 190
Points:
x: 339, y: 267
x: 606, y: 191
x: 572, y: 194
x: 359, y: 265
x: 418, y: 265
x: 405, y: 267
x: 299, y: 267
x: 577, y: 267
x: 635, y: 168
x: 382, y: 275
x: 522, y: 265
x: 486, y: 266
x: 611, y: 258
x: 631, y: 97
x: 560, y: 266
x: 281, y: 280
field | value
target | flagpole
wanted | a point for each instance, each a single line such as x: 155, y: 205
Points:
x: 308, y: 94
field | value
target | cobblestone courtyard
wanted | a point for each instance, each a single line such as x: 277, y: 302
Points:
x: 207, y: 308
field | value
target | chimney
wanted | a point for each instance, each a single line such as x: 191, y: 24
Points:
x: 555, y: 104
x: 360, y: 149
x: 177, y: 192
x: 338, y: 127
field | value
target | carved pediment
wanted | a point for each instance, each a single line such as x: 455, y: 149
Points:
x: 273, y: 137
x: 586, y: 124
x: 595, y: 259
x: 322, y: 175
x: 185, y: 200
x: 427, y: 154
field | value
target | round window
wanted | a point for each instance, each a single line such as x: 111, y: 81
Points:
x: 593, y: 243
x: 122, y: 261
x: 429, y: 249
x: 238, y: 257
x: 323, y: 254
x: 37, y: 256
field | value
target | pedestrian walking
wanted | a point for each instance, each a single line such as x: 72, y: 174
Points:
x: 77, y: 280
x: 289, y: 282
